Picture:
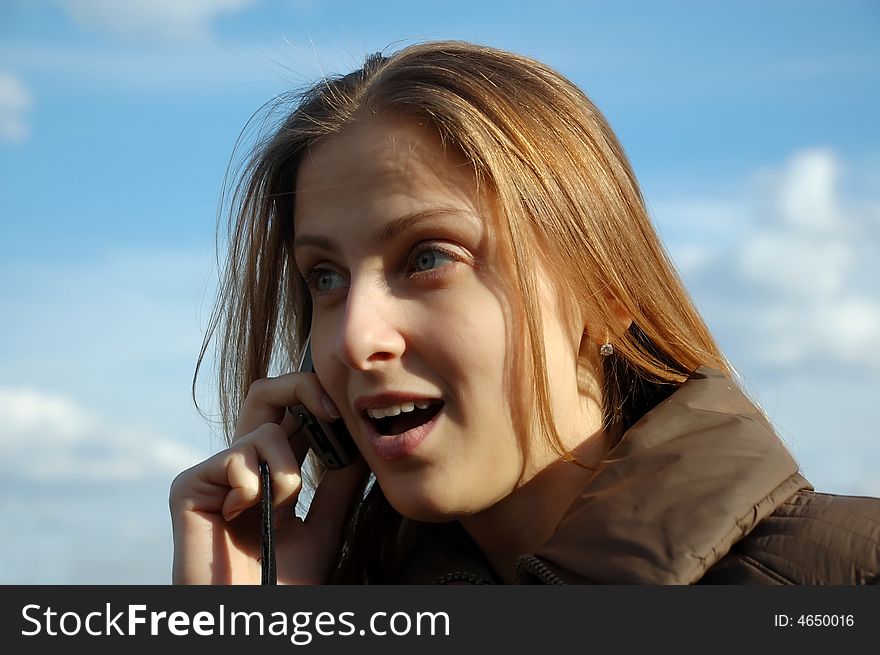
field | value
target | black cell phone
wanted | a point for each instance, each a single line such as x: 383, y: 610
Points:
x: 331, y: 442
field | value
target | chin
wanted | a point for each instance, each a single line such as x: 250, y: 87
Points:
x: 430, y: 507
x: 420, y: 509
x: 419, y: 504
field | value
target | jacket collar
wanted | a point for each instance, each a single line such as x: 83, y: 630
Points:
x: 687, y: 481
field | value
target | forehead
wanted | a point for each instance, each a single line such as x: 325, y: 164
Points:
x: 386, y: 165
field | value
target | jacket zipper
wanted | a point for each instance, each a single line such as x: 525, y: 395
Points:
x: 531, y: 564
x: 537, y: 567
x: 461, y: 576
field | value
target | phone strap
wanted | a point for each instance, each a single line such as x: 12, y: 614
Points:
x: 267, y: 558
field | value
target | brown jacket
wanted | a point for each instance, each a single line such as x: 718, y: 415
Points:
x: 700, y: 490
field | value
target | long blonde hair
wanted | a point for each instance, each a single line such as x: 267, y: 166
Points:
x: 565, y: 193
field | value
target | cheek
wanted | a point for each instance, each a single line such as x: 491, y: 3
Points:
x: 469, y: 352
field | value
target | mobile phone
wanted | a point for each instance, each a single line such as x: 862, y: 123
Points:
x: 331, y: 442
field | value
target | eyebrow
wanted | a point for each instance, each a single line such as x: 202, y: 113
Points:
x: 388, y: 231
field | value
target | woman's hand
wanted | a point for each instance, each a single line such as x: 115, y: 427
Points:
x: 215, y: 509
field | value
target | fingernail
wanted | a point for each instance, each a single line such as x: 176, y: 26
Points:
x: 230, y: 516
x: 329, y: 407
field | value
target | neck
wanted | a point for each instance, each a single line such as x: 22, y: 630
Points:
x: 526, y: 518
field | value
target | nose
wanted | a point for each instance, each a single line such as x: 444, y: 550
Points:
x: 371, y: 332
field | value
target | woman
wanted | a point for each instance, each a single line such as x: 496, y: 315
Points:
x: 495, y: 321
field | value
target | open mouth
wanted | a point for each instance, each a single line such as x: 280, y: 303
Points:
x: 405, y: 421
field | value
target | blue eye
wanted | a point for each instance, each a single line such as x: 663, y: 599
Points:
x: 430, y: 258
x: 321, y: 280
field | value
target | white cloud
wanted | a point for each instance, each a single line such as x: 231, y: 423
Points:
x: 29, y: 412
x: 118, y: 333
x: 789, y: 276
x: 807, y: 192
x: 690, y: 257
x: 95, y: 411
x: 797, y: 265
x: 786, y: 274
x: 97, y: 365
x: 852, y: 328
x: 15, y: 102
x: 269, y: 66
x: 187, y: 68
x: 46, y: 437
x: 164, y: 19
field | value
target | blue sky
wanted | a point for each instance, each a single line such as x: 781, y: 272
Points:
x: 751, y: 126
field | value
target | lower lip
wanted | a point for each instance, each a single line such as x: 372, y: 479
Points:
x: 396, y: 446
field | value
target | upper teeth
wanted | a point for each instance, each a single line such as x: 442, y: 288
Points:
x: 394, y: 410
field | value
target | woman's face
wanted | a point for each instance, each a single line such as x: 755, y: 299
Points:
x: 408, y: 314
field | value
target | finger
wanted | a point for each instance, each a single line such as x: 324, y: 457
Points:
x: 269, y: 444
x: 268, y: 398
x: 335, y: 497
x: 284, y: 469
x: 243, y: 479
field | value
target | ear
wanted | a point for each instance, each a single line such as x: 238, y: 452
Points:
x: 621, y: 315
x: 621, y: 322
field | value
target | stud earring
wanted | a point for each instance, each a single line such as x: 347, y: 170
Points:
x: 606, y: 349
